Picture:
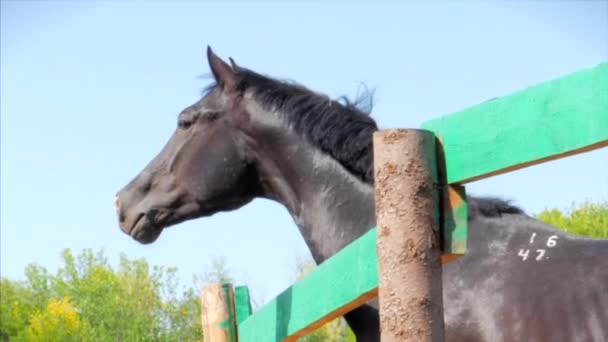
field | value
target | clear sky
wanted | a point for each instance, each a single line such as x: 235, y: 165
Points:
x: 90, y: 92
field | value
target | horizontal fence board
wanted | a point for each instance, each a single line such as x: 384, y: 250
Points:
x: 554, y: 119
x: 340, y: 284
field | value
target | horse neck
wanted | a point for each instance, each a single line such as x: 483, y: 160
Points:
x: 330, y: 206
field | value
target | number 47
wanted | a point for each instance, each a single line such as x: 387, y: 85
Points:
x: 523, y: 253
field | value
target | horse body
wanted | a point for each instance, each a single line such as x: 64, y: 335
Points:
x: 252, y: 136
x: 514, y: 284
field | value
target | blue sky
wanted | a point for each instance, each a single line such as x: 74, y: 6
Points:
x: 90, y: 92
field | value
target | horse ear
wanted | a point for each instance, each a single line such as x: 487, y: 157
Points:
x: 235, y: 66
x: 222, y: 72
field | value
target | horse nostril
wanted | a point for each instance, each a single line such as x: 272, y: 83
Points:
x: 117, y: 204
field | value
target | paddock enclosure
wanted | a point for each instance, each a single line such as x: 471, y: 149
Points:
x: 547, y: 121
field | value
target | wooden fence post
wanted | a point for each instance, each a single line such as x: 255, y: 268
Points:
x: 217, y: 313
x: 408, y: 243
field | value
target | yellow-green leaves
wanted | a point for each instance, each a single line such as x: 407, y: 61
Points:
x: 89, y: 300
x: 59, y: 321
x: 588, y: 219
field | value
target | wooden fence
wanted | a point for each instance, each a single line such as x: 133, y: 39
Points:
x: 551, y: 120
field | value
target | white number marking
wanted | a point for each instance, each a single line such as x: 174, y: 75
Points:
x: 524, y: 255
x: 541, y: 253
x: 551, y: 242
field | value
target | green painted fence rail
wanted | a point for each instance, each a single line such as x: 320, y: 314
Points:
x: 335, y: 287
x: 551, y: 120
x: 544, y: 122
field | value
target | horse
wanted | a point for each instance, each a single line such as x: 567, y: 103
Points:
x: 251, y: 136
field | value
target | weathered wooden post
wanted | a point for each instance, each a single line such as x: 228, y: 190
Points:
x: 408, y: 242
x: 217, y: 313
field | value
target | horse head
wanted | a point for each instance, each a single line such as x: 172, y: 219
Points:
x: 205, y: 167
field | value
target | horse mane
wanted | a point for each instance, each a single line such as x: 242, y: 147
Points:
x: 490, y: 207
x: 342, y: 130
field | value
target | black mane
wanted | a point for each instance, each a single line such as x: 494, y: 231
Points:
x: 490, y: 207
x: 343, y: 131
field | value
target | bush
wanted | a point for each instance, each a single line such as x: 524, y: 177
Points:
x: 88, y: 300
x: 588, y: 219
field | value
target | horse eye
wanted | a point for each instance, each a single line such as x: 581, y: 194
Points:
x: 184, y: 124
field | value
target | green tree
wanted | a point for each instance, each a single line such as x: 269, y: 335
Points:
x: 16, y: 306
x: 60, y: 321
x: 588, y: 219
x: 89, y: 300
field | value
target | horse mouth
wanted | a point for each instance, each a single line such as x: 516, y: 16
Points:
x: 146, y: 229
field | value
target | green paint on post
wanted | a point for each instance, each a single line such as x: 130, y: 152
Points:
x: 455, y: 219
x: 547, y: 121
x: 242, y: 304
x: 350, y: 275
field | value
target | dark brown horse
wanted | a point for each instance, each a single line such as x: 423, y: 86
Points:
x: 253, y: 136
